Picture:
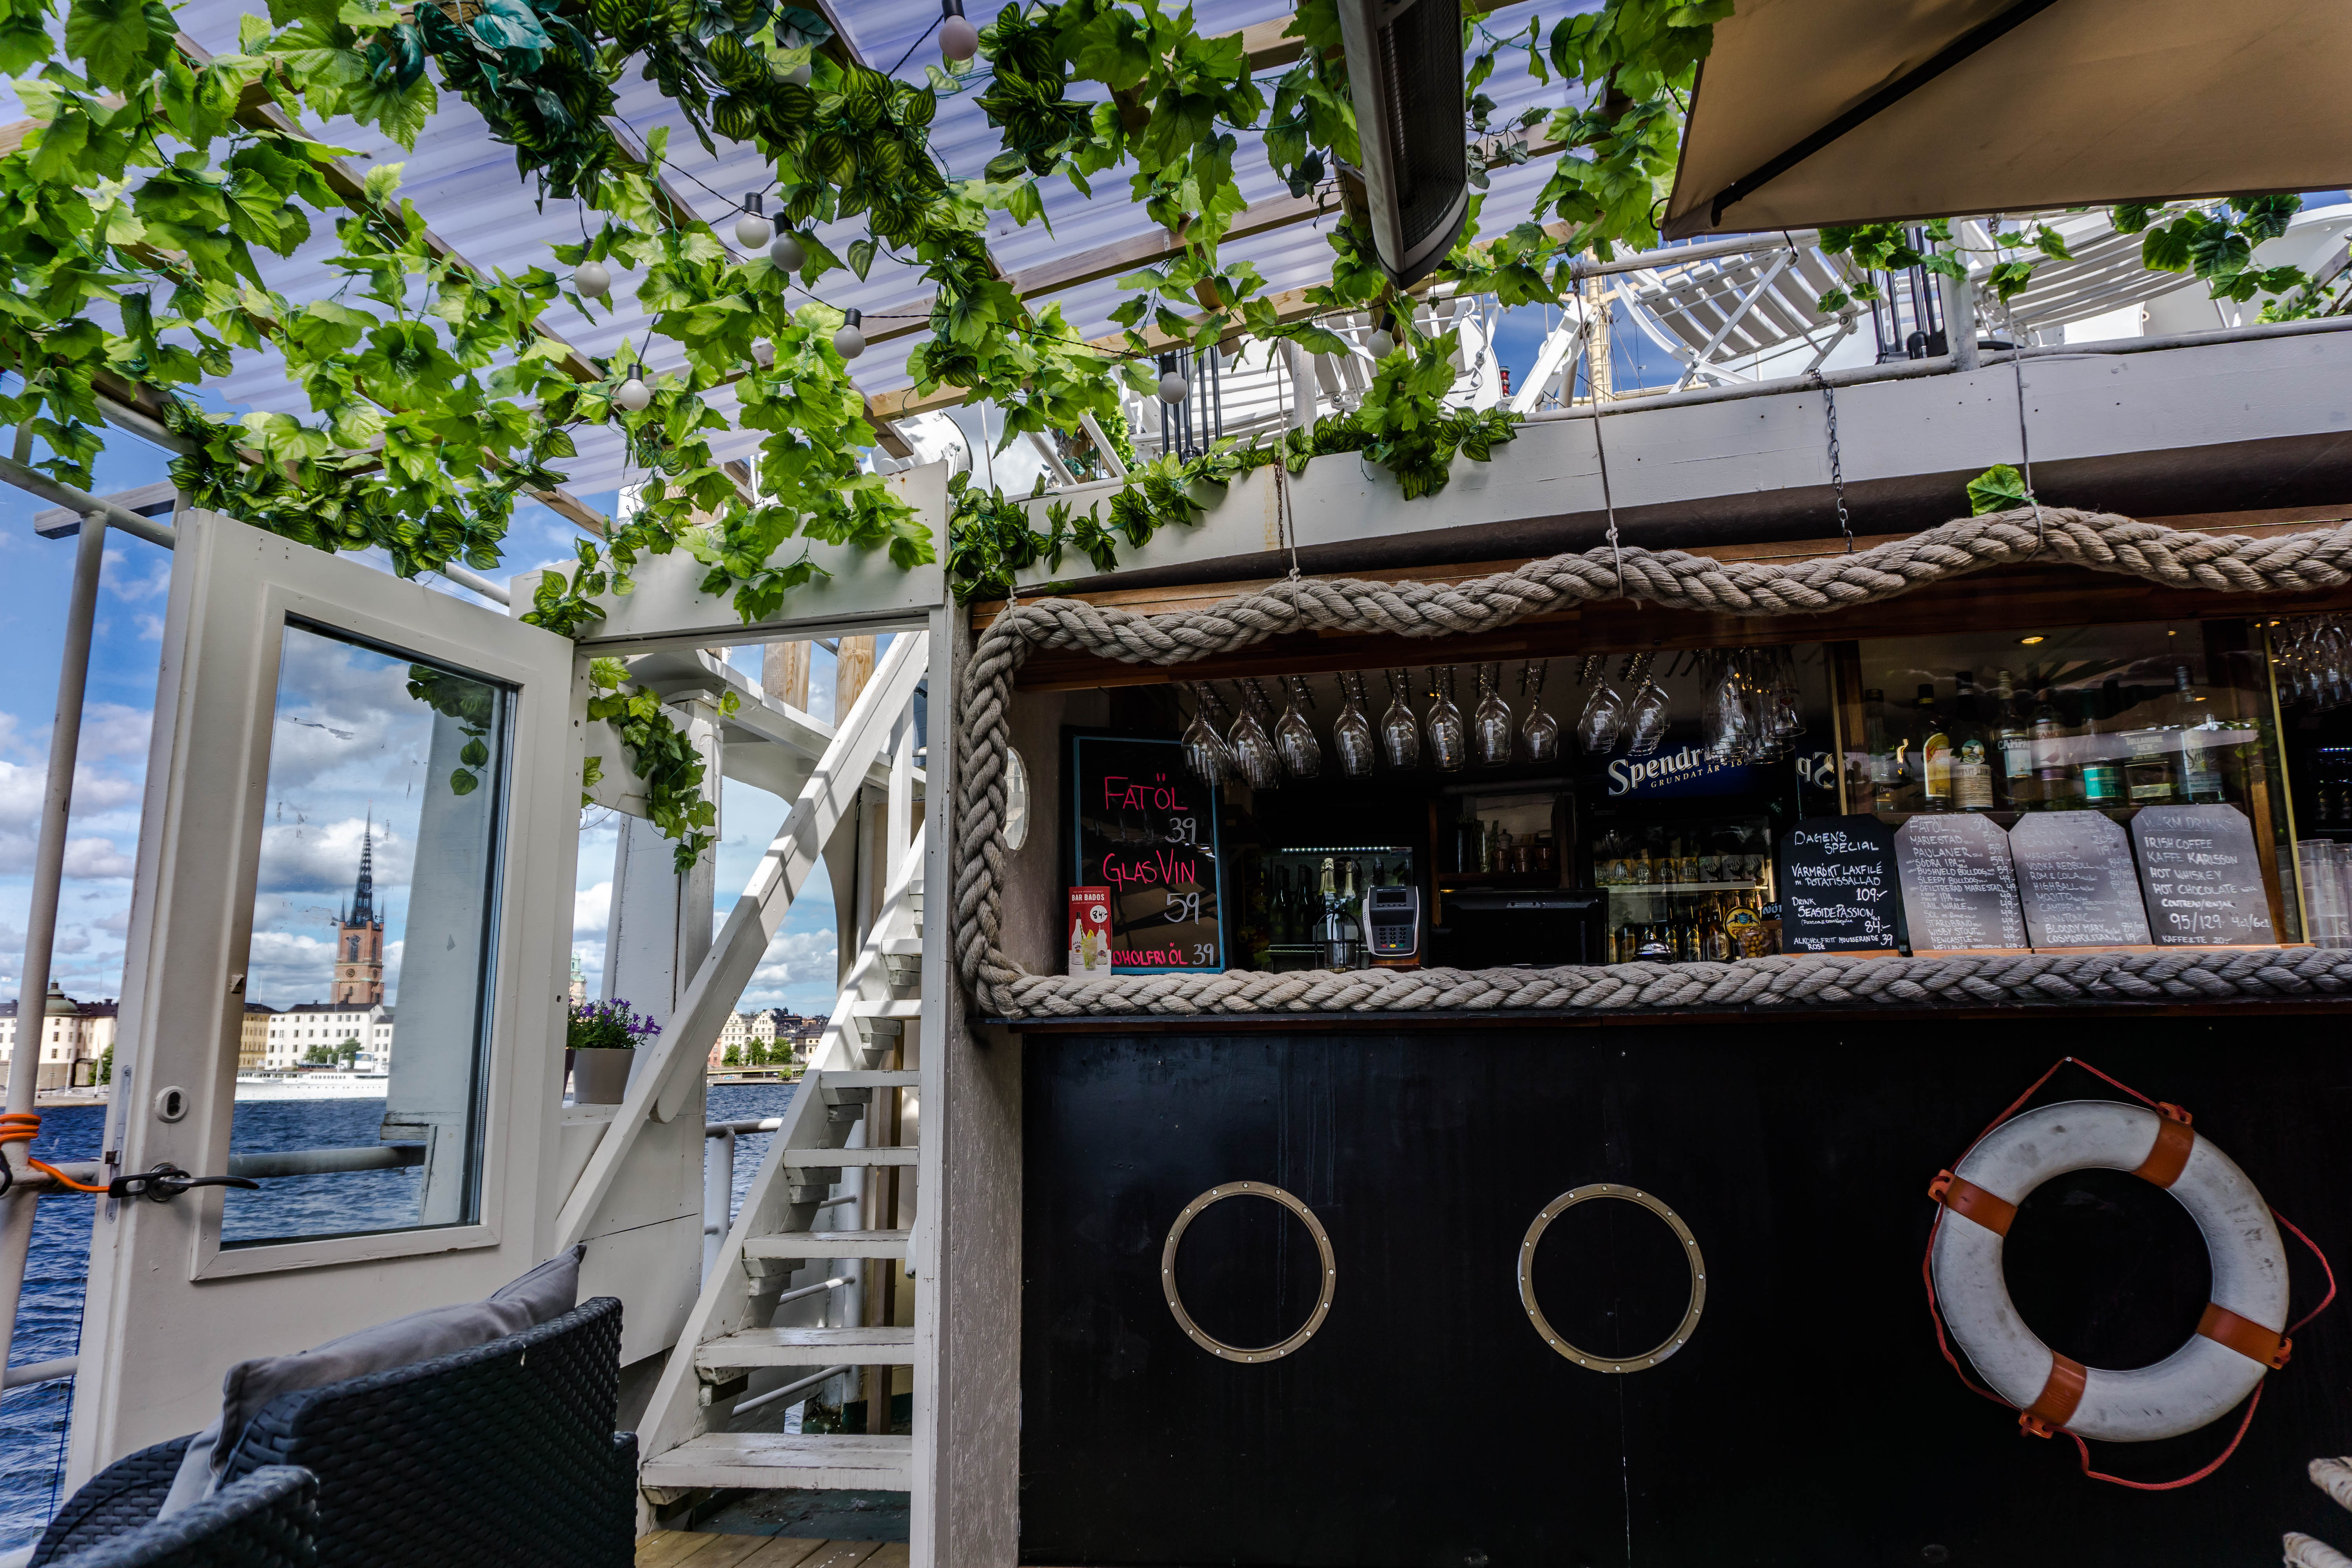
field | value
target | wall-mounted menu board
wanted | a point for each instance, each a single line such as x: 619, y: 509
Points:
x: 1959, y: 890
x: 2077, y: 880
x: 1146, y: 829
x: 2202, y: 877
x: 1838, y: 886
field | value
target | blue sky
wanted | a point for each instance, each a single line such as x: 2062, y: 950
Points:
x: 345, y: 745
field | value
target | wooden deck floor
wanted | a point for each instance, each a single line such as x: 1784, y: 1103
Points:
x: 684, y: 1549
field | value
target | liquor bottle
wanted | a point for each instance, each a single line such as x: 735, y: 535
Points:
x: 1330, y: 929
x: 2201, y: 761
x: 1674, y: 871
x: 1277, y: 905
x: 1644, y: 870
x: 2103, y: 768
x: 1971, y: 766
x: 1351, y: 731
x: 1715, y: 944
x: 1400, y: 731
x: 2057, y: 786
x: 1490, y: 724
x: 1935, y: 753
x: 2012, y: 746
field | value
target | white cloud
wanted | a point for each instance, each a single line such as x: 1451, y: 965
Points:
x: 286, y: 967
x: 115, y: 730
x: 324, y: 857
x: 117, y: 924
x: 151, y: 628
x: 22, y: 786
x: 154, y: 585
x: 591, y: 910
x: 84, y: 857
x: 72, y: 942
x: 799, y: 958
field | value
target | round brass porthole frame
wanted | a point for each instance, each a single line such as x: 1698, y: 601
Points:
x: 1176, y: 1302
x: 1691, y: 1255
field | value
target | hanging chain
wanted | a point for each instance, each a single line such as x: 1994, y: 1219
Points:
x: 1837, y: 468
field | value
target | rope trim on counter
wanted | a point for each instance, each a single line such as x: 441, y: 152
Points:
x: 1672, y: 579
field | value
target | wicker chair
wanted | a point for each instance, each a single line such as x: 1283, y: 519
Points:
x: 267, y: 1520
x: 502, y: 1454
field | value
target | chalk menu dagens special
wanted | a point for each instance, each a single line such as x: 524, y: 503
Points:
x: 1146, y: 829
x: 1838, y: 886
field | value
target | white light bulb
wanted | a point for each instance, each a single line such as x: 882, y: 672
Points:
x: 848, y: 341
x: 1380, y: 343
x: 800, y: 74
x: 958, y: 39
x: 752, y: 231
x: 1172, y: 388
x: 786, y: 253
x: 633, y: 396
x: 592, y: 279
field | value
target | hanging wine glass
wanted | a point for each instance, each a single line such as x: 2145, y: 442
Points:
x: 1788, y: 719
x: 1205, y: 752
x: 1603, y: 718
x: 1400, y: 731
x: 1448, y: 742
x: 1351, y: 731
x: 1722, y: 714
x: 1645, y: 721
x: 1539, y: 732
x: 1490, y: 724
x: 1251, y: 741
x: 1293, y: 737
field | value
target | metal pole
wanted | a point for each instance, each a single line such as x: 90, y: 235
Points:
x: 717, y: 1199
x: 41, y: 924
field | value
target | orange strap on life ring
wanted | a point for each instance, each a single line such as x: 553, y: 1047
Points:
x: 23, y: 1127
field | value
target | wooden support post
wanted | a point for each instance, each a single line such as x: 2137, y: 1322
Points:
x: 853, y: 666
x: 784, y: 674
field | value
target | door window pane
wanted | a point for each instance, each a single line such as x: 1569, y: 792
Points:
x: 360, y: 1061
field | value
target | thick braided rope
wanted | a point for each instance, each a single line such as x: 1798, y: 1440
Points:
x: 1675, y: 580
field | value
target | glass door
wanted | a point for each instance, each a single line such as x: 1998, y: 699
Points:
x: 344, y: 975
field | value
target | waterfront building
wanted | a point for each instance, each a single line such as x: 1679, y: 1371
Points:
x: 290, y: 1035
x: 76, y: 1035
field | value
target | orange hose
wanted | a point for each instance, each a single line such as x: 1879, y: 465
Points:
x: 23, y: 1127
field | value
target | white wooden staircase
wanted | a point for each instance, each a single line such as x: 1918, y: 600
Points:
x: 754, y: 1330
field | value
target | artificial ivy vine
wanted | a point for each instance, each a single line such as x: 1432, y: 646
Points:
x: 440, y: 396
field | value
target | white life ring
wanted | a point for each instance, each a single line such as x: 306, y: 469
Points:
x: 2239, y: 1338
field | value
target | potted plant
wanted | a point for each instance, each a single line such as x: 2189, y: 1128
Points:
x: 600, y: 1046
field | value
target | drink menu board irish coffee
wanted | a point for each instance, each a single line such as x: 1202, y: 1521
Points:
x: 1146, y: 829
x: 1837, y: 886
x: 2202, y: 877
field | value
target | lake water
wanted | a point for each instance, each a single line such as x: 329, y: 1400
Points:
x: 48, y: 1320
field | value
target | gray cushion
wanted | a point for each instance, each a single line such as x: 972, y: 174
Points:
x: 545, y: 1293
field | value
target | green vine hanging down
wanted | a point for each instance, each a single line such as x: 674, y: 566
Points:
x: 1402, y: 425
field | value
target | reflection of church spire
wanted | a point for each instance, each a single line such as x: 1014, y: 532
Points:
x: 363, y: 897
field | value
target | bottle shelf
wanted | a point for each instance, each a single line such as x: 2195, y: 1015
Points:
x: 1628, y: 887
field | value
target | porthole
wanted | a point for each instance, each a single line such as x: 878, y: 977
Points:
x: 1016, y: 800
x: 1691, y: 1255
x: 1247, y: 1354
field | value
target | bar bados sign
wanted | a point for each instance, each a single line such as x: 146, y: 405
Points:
x: 1146, y: 829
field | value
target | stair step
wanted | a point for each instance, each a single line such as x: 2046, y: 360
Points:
x: 906, y: 1008
x: 821, y: 1159
x: 858, y: 1078
x: 828, y: 1244
x: 765, y: 1461
x: 807, y: 1347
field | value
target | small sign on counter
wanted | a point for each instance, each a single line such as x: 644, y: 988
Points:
x: 2077, y: 880
x: 1089, y: 931
x: 1146, y: 829
x: 2202, y: 877
x: 1837, y: 886
x: 1959, y: 890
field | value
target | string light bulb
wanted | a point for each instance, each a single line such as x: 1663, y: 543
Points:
x: 1173, y: 387
x: 1380, y: 342
x: 752, y: 229
x: 787, y: 253
x: 633, y: 396
x: 592, y: 280
x: 848, y: 340
x: 800, y: 75
x: 958, y: 39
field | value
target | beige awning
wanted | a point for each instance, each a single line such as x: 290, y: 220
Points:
x: 1826, y: 112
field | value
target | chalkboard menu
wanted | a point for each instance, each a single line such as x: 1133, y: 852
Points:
x: 1959, y: 890
x: 1146, y: 829
x: 1838, y: 886
x: 2202, y: 877
x: 2075, y: 878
